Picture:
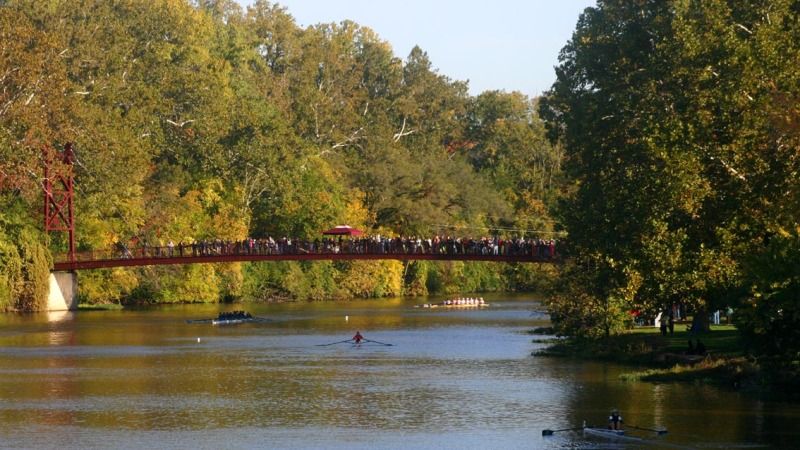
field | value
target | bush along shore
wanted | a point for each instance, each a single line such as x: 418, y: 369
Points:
x: 671, y: 358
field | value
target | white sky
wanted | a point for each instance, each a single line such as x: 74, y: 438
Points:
x: 509, y: 45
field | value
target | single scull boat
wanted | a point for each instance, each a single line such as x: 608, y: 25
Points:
x: 609, y: 433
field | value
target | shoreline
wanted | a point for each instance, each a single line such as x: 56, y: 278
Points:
x: 664, y: 359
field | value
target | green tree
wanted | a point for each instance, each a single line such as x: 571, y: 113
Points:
x: 24, y: 260
x: 633, y: 188
x: 682, y: 163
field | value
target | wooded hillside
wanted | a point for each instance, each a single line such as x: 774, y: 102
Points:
x: 200, y: 120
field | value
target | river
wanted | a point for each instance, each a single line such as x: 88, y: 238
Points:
x: 144, y: 378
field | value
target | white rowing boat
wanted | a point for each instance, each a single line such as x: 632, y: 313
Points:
x: 610, y: 434
x: 445, y: 305
x: 615, y: 435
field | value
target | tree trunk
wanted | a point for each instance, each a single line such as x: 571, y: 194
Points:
x: 700, y: 322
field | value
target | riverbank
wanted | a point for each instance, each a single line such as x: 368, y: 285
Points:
x: 669, y: 358
x: 646, y: 346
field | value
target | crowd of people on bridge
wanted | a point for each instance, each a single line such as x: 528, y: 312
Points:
x: 535, y: 248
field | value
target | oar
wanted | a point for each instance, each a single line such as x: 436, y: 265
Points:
x: 550, y: 432
x: 660, y: 432
x: 376, y: 342
x: 332, y: 343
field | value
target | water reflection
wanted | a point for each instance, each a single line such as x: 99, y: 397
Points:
x: 460, y: 379
x: 59, y: 316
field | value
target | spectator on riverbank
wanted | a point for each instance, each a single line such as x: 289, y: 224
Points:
x: 614, y: 420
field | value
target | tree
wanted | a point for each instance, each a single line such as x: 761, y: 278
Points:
x: 633, y: 189
x: 680, y: 162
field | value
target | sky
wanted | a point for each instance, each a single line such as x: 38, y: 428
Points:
x: 509, y: 45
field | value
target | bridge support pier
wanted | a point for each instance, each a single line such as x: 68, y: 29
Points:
x: 63, y: 294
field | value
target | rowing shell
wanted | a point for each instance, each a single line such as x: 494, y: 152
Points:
x: 442, y: 305
x: 229, y: 321
x: 610, y: 434
x: 240, y: 320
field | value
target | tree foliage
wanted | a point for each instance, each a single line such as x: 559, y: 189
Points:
x: 24, y: 261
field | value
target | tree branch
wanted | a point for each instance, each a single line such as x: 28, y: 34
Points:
x: 402, y: 132
x: 743, y: 28
x: 350, y: 140
x: 730, y: 169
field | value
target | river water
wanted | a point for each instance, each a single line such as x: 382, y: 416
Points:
x: 145, y: 378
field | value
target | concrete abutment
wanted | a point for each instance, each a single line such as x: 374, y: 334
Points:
x: 63, y: 294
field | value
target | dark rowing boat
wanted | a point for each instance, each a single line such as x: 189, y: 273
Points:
x: 231, y: 318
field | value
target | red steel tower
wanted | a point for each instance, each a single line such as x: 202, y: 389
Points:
x: 59, y: 212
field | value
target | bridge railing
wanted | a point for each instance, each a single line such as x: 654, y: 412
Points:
x: 542, y: 251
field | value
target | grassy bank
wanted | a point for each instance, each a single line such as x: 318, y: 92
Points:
x: 732, y: 372
x: 667, y: 358
x: 645, y: 345
x: 100, y: 307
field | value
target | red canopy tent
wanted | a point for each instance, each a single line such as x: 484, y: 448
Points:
x: 343, y: 230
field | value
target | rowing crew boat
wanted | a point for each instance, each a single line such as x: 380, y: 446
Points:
x: 444, y: 305
x: 230, y: 321
x: 235, y: 320
x: 454, y: 304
